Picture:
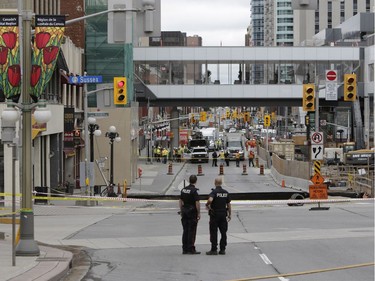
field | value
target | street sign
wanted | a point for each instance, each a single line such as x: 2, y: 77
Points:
x: 98, y: 114
x: 331, y: 75
x: 331, y: 90
x: 317, y: 192
x: 317, y: 138
x: 317, y: 179
x: 317, y: 152
x: 85, y: 79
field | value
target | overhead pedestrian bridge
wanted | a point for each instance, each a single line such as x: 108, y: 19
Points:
x: 217, y: 76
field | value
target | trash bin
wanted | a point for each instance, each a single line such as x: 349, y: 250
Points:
x: 41, y: 191
x: 97, y: 189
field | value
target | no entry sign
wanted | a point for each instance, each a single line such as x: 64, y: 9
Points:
x: 331, y: 75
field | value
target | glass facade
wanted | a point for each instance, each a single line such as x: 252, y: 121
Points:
x: 102, y: 58
x: 237, y: 72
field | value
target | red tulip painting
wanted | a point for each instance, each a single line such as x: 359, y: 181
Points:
x: 41, y: 39
x: 10, y: 39
x: 10, y: 71
x: 46, y: 47
x: 3, y: 55
x: 50, y: 54
x: 36, y: 71
x: 14, y: 75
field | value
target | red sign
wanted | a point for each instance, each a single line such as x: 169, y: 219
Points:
x: 331, y: 75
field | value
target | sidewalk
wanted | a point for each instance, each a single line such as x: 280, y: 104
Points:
x: 62, y: 220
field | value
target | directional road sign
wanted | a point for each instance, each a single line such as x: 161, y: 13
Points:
x: 85, y: 79
x: 317, y: 152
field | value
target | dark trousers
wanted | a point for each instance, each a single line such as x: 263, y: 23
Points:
x: 214, y: 162
x: 237, y: 162
x: 218, y: 221
x: 251, y: 162
x: 189, y: 226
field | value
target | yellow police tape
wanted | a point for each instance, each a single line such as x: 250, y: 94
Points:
x: 63, y: 197
x: 281, y: 275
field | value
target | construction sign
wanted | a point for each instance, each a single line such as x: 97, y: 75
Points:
x: 317, y: 179
x: 318, y: 191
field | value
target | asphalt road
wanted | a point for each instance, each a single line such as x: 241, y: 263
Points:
x: 143, y: 242
x: 291, y: 243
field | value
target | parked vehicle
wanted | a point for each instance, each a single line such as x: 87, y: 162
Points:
x: 234, y: 142
x: 199, y: 155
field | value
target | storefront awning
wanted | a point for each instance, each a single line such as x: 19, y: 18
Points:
x: 69, y: 152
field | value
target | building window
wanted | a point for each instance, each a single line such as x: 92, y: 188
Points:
x: 355, y: 7
x: 371, y: 72
x: 368, y: 7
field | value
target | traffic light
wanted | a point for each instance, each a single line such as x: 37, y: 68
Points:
x: 350, y: 87
x: 203, y: 116
x: 119, y: 91
x: 267, y: 121
x: 308, y: 100
x: 227, y: 114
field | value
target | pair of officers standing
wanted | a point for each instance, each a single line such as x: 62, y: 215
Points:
x: 219, y: 210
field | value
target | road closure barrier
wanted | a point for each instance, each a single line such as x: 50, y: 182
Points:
x: 221, y: 169
x: 261, y: 170
x: 200, y: 172
x: 244, y: 169
x: 170, y: 169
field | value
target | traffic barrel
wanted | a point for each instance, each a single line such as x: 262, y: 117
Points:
x: 221, y: 169
x: 244, y: 169
x: 261, y: 170
x: 257, y: 162
x: 200, y: 173
x: 170, y: 171
x: 282, y: 183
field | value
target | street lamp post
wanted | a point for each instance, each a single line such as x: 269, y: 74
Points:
x: 113, y: 135
x: 27, y: 246
x: 94, y: 131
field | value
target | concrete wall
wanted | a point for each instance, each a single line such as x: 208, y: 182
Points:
x: 295, y: 174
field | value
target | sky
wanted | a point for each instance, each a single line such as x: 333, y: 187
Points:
x: 218, y: 22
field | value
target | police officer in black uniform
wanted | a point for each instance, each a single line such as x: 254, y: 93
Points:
x: 190, y: 214
x: 219, y: 209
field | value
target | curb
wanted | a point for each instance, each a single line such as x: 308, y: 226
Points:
x: 53, y: 264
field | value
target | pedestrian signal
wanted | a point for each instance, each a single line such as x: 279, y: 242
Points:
x: 308, y: 99
x: 350, y: 87
x: 119, y: 91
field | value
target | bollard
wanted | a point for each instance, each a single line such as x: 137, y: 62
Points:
x: 261, y: 171
x: 283, y: 183
x: 257, y: 162
x: 118, y: 189
x: 221, y: 169
x: 244, y: 169
x: 170, y: 172
x: 200, y: 170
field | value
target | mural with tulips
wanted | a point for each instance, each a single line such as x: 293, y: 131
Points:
x: 49, y: 32
x: 10, y: 70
